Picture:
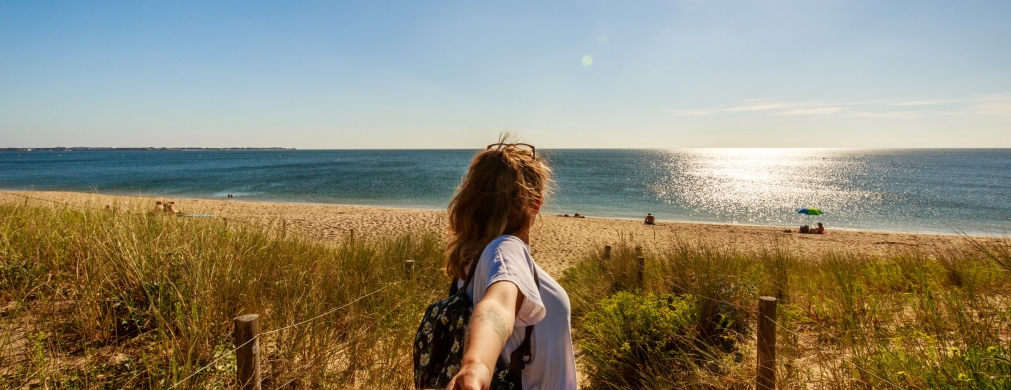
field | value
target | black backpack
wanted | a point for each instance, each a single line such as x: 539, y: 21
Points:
x: 438, y: 345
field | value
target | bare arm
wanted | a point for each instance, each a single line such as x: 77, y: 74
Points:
x: 490, y: 327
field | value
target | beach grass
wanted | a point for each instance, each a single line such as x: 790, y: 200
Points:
x: 98, y: 298
x: 914, y: 320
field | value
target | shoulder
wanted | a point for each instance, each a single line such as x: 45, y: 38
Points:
x: 506, y: 247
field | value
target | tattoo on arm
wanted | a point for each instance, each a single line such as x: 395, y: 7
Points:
x: 494, y: 319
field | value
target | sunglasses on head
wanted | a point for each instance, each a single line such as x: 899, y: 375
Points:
x: 502, y: 145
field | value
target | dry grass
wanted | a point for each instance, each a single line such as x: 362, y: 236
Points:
x: 96, y: 299
x: 914, y: 320
x: 126, y: 299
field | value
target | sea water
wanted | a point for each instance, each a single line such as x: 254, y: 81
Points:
x: 931, y: 191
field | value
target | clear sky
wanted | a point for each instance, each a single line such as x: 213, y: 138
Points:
x: 562, y: 74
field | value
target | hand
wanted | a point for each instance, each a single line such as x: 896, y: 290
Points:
x: 471, y: 377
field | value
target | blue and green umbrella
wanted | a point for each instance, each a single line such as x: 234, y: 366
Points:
x: 810, y: 211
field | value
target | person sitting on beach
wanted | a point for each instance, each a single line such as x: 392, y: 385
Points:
x: 577, y: 215
x: 818, y: 230
x: 159, y: 207
x: 170, y: 208
x: 649, y: 219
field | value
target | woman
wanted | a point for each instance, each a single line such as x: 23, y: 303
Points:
x: 489, y: 220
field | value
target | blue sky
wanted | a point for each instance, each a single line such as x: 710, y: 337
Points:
x: 586, y: 74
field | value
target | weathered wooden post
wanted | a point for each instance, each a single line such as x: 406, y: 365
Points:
x: 247, y: 356
x: 641, y: 263
x: 607, y: 252
x: 766, y: 379
x: 409, y: 267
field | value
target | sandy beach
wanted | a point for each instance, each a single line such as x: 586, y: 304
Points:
x: 556, y: 242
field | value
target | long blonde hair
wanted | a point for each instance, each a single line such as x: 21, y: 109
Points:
x: 503, y: 185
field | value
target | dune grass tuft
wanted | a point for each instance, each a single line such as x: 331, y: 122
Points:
x: 914, y: 320
x: 98, y: 299
x: 127, y: 299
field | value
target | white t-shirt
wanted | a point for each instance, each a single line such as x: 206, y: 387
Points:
x: 553, y: 364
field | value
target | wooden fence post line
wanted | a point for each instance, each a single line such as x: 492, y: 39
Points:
x: 607, y: 252
x: 409, y: 267
x: 766, y: 379
x: 247, y: 357
x: 641, y: 262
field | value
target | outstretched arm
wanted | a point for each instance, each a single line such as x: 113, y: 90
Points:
x: 490, y: 327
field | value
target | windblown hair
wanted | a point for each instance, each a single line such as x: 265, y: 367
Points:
x: 502, y: 186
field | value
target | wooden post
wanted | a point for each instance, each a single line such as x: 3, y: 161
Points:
x: 638, y: 250
x: 607, y: 252
x: 409, y: 267
x: 641, y: 262
x: 766, y: 379
x: 247, y: 357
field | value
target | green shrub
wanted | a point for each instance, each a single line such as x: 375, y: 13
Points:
x: 631, y: 340
x: 598, y: 275
x: 911, y: 364
x: 722, y: 281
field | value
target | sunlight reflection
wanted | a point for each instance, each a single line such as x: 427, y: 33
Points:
x: 756, y: 185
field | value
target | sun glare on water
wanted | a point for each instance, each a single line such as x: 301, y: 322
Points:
x: 754, y: 185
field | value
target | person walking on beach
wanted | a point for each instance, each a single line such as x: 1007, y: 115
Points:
x: 650, y: 220
x: 490, y: 219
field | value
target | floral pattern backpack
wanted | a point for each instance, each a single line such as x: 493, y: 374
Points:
x: 438, y: 345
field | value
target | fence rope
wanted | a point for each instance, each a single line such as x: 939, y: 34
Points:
x: 257, y: 337
x: 795, y: 334
x: 359, y: 335
x: 330, y: 311
x: 222, y: 356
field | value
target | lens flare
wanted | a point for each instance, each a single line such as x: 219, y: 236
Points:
x: 587, y: 60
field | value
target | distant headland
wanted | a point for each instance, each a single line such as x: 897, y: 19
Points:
x: 93, y: 149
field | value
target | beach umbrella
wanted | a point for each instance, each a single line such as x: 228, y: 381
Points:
x: 810, y: 211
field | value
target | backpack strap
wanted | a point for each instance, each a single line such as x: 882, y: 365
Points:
x: 453, y: 289
x: 522, y: 356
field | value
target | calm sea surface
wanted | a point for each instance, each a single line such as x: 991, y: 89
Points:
x: 894, y: 190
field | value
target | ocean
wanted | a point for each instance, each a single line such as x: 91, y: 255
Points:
x: 924, y: 191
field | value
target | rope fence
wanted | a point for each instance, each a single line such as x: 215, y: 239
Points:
x: 358, y: 335
x: 257, y: 335
x: 760, y: 317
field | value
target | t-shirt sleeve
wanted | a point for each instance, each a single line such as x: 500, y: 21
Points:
x: 511, y: 262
